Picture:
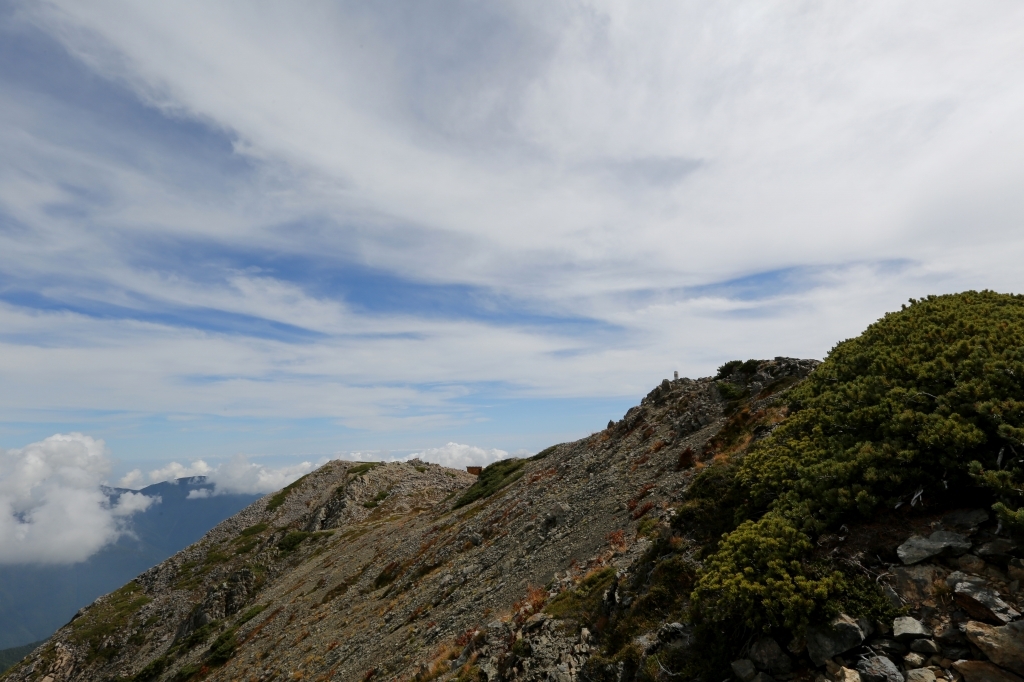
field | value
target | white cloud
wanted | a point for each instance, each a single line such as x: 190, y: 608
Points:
x: 173, y: 471
x: 237, y: 475
x: 52, y: 509
x: 133, y: 479
x: 129, y: 503
x: 458, y: 456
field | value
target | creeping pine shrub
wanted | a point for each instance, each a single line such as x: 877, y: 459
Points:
x: 930, y: 396
x: 711, y: 504
x: 730, y: 391
x: 746, y: 368
x: 294, y: 538
x: 913, y: 401
x: 757, y: 576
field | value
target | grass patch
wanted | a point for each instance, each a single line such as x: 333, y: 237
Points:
x: 251, y: 613
x: 583, y: 603
x: 493, y: 478
x: 254, y: 530
x: 647, y: 528
x: 360, y: 469
x: 246, y: 547
x: 377, y: 499
x: 278, y: 499
x: 544, y: 453
x: 291, y: 541
x: 191, y: 574
x: 215, y: 558
x: 223, y: 648
x: 152, y: 670
x: 187, y: 672
x: 106, y: 618
x: 199, y: 635
x: 388, y: 574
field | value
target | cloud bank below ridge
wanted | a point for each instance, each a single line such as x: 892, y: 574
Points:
x: 52, y: 507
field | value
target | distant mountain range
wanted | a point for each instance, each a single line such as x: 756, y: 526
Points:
x: 35, y: 600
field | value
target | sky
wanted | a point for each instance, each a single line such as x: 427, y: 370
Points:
x: 261, y: 235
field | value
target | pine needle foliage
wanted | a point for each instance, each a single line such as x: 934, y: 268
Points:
x: 927, y: 399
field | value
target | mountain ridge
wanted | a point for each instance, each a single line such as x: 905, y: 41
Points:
x: 857, y: 520
x: 408, y: 561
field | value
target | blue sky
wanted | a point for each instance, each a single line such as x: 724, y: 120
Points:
x: 283, y: 232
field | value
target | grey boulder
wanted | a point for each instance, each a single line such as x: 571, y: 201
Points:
x: 744, y: 669
x: 939, y: 543
x: 906, y: 629
x: 957, y: 577
x: 889, y: 647
x: 925, y: 646
x: 1000, y: 550
x: 879, y: 669
x: 839, y: 636
x: 983, y: 604
x: 768, y: 655
x: 965, y: 519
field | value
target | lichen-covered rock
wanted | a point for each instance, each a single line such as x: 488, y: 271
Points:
x: 916, y: 583
x: 913, y: 660
x: 920, y: 675
x: 983, y: 671
x: 1003, y: 645
x: 847, y: 675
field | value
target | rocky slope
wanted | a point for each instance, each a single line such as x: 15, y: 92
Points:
x: 564, y: 566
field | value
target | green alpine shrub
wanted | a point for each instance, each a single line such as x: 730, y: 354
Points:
x: 927, y: 399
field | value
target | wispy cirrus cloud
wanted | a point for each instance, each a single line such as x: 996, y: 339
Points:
x: 392, y: 219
